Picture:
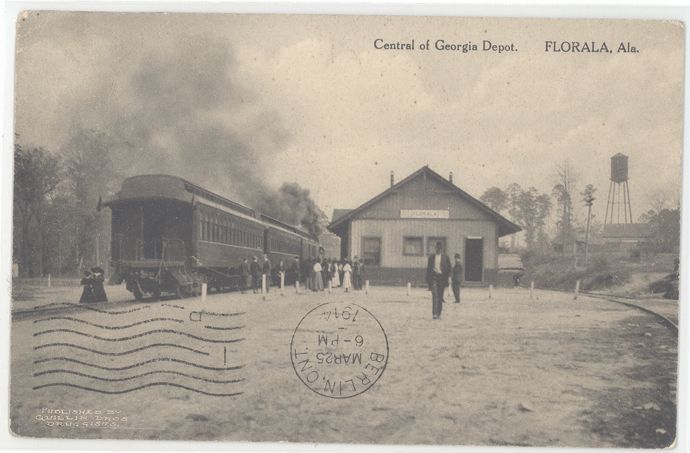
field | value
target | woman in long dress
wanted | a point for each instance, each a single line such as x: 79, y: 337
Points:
x: 347, y: 276
x: 318, y: 281
x: 335, y: 275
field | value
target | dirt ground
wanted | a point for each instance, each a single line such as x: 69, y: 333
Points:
x: 502, y: 371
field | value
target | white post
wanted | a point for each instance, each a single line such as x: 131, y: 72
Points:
x: 531, y: 290
x: 49, y: 281
x: 204, y: 289
x: 282, y: 283
x: 366, y: 286
x: 263, y: 286
x: 329, y: 286
x: 577, y: 289
x: 409, y: 288
x: 297, y: 286
x: 491, y: 290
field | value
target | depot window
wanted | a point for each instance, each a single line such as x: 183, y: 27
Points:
x: 371, y: 251
x: 413, y: 246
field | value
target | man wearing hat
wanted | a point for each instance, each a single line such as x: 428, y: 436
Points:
x: 437, y: 273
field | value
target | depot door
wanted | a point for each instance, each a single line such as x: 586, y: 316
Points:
x: 474, y: 259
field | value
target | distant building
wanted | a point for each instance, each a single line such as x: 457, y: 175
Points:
x: 395, y: 231
x: 577, y: 244
x: 331, y: 245
x: 623, y: 237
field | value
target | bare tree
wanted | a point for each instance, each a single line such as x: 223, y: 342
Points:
x: 36, y: 177
x: 563, y: 193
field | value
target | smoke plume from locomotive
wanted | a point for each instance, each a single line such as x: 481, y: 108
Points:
x: 180, y: 109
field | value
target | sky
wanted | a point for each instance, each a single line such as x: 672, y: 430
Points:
x: 240, y: 103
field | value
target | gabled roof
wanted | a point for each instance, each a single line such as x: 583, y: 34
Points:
x: 505, y: 226
x: 338, y: 213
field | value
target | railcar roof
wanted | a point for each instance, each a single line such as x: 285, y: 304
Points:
x: 286, y: 226
x: 161, y: 186
x: 169, y: 187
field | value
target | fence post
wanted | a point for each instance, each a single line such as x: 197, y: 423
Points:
x: 282, y: 283
x: 409, y: 288
x: 491, y: 290
x: 577, y: 289
x: 329, y: 286
x: 531, y: 290
x: 366, y: 286
x: 297, y: 286
x: 263, y: 286
x: 49, y: 283
x: 204, y: 289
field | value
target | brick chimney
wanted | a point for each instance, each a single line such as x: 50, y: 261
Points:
x: 392, y: 178
x: 450, y: 177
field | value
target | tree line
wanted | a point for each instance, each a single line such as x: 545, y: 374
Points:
x: 57, y: 228
x: 553, y: 219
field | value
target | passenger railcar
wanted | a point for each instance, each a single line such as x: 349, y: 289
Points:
x: 169, y: 235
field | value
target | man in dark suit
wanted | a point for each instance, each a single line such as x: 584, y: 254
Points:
x: 245, y: 275
x: 456, y: 280
x: 256, y: 275
x: 296, y: 269
x: 437, y: 274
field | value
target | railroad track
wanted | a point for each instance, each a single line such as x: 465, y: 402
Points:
x: 639, y: 305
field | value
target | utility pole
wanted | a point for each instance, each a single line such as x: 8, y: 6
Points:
x: 589, y: 199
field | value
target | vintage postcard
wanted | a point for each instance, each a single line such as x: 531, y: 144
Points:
x: 346, y: 229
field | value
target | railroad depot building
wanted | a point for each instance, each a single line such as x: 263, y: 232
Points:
x: 397, y: 230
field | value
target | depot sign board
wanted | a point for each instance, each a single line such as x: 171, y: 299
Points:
x: 424, y: 213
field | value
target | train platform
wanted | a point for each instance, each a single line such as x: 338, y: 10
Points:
x: 506, y: 370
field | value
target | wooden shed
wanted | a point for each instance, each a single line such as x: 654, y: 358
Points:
x: 395, y: 231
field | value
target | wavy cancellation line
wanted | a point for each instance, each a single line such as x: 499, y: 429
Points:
x: 131, y: 351
x: 224, y: 328
x: 129, y: 378
x: 139, y: 335
x: 213, y: 313
x: 101, y: 326
x: 129, y: 367
x: 86, y: 307
x: 119, y: 392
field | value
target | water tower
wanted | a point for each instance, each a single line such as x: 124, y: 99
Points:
x: 618, y: 201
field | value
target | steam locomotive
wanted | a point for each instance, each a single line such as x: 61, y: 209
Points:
x: 171, y: 236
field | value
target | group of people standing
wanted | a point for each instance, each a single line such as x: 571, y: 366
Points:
x: 339, y: 273
x: 252, y: 274
x: 93, y: 286
x: 314, y: 273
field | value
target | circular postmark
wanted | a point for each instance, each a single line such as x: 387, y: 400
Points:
x: 339, y: 350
